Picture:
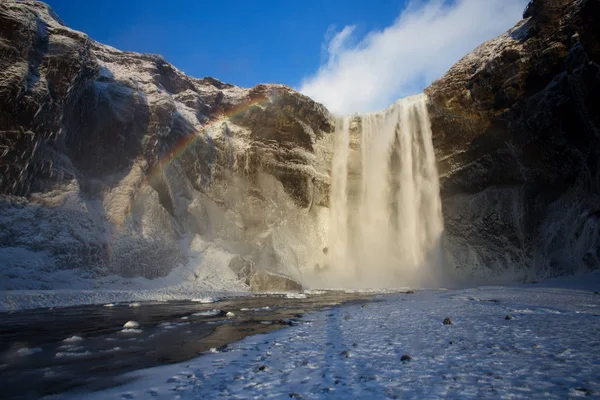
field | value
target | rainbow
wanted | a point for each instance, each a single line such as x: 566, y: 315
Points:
x: 181, y: 147
x: 185, y: 143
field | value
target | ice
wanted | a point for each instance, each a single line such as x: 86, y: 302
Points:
x: 296, y: 296
x: 131, y: 330
x: 73, y: 339
x: 62, y: 354
x: 211, y: 313
x: 171, y: 325
x: 205, y: 300
x: 256, y: 309
x: 26, y: 351
x: 131, y: 324
x: 230, y: 314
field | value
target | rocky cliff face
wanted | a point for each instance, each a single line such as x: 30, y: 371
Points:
x: 119, y: 163
x: 516, y: 130
x: 116, y: 162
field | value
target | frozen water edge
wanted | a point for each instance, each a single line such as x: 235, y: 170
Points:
x: 185, y: 282
x: 12, y: 300
x: 355, y: 351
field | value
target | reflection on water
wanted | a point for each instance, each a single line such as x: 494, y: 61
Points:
x: 48, y: 351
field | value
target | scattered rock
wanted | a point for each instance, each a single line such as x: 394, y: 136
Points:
x: 587, y: 391
x: 508, y: 317
x: 295, y: 396
x: 406, y: 358
x: 410, y: 292
x: 447, y: 321
x: 263, y: 368
x: 345, y: 353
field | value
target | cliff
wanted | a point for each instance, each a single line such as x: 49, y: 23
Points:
x: 516, y: 127
x: 117, y: 162
x: 114, y: 162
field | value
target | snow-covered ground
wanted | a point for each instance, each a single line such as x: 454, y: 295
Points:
x: 522, y: 341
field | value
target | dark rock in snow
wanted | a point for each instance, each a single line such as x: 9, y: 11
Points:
x: 447, y: 321
x: 508, y: 317
x: 405, y: 358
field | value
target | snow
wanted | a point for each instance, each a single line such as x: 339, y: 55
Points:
x: 131, y: 324
x: 257, y: 308
x: 211, y: 313
x: 548, y: 350
x: 131, y: 330
x: 62, y: 354
x: 26, y: 351
x: 73, y: 339
x: 205, y: 300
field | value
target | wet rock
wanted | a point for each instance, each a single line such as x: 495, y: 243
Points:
x: 243, y: 268
x: 508, y: 317
x: 262, y: 281
x: 447, y: 321
x: 406, y: 358
x: 263, y: 368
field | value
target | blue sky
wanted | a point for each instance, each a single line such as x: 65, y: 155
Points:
x: 351, y: 55
x: 241, y: 42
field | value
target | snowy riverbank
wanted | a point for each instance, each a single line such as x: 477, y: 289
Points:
x: 546, y: 348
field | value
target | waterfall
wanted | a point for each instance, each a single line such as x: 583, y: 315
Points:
x: 385, y: 210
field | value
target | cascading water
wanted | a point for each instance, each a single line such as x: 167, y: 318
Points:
x: 386, y: 220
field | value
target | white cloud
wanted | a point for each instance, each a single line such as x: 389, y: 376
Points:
x: 370, y: 73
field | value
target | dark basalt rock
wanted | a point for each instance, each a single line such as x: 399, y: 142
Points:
x: 516, y: 128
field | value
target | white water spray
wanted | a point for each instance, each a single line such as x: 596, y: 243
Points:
x: 386, y: 219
